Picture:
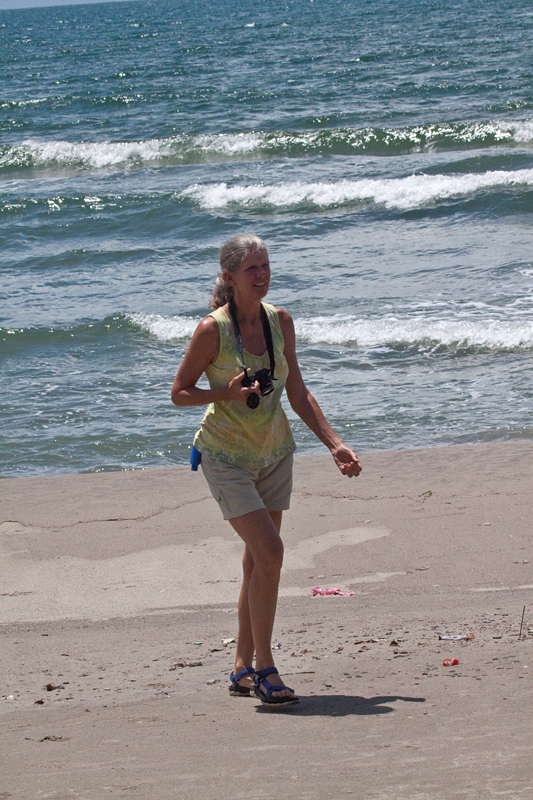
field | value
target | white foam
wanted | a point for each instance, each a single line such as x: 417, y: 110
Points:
x: 492, y: 334
x: 398, y: 193
x: 104, y: 154
x: 90, y: 154
x: 231, y: 144
x: 521, y: 130
x: 367, y: 333
x: 165, y: 328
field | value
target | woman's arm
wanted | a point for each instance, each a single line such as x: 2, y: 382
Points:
x: 202, y: 351
x: 307, y: 408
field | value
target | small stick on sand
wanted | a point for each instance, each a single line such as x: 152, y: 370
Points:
x: 522, y: 623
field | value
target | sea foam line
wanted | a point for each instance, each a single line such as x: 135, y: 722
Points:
x: 495, y: 334
x: 395, y: 193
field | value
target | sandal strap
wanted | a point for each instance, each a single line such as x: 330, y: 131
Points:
x: 262, y: 673
x: 261, y: 677
x: 242, y: 674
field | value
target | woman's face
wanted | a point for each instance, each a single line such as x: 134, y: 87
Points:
x: 252, y: 276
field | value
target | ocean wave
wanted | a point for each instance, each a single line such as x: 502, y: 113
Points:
x: 401, y: 194
x: 453, y: 333
x: 163, y: 328
x: 52, y: 155
x: 166, y: 329
x: 191, y: 149
x: 397, y: 141
x: 395, y: 193
x: 390, y: 332
x: 491, y: 334
x: 37, y: 336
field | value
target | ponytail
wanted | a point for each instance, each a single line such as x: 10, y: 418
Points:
x: 222, y: 292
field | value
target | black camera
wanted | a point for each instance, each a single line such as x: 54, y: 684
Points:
x: 263, y: 378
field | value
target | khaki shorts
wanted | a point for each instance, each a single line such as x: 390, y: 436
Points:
x: 239, y: 491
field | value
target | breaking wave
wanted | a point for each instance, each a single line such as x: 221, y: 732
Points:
x: 394, y: 193
x: 416, y: 331
x: 190, y: 149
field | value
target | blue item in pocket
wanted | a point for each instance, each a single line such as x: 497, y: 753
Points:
x: 196, y: 458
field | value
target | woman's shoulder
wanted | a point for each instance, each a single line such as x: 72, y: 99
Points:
x: 282, y: 314
x: 276, y: 311
x: 220, y: 316
x: 282, y: 323
x: 285, y: 319
x: 207, y: 325
x: 206, y: 336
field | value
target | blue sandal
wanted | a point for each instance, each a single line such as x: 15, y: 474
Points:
x: 260, y: 679
x: 235, y: 689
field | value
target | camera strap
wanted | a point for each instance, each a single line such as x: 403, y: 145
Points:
x: 266, y: 331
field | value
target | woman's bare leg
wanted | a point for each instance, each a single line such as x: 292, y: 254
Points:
x: 244, y: 656
x: 262, y: 560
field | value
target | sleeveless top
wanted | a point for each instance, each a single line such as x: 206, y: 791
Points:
x: 230, y: 431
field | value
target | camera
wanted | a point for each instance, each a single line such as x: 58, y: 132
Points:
x: 262, y: 376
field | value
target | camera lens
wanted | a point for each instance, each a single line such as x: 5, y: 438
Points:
x: 252, y: 401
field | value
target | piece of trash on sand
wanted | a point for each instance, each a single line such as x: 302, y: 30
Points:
x: 450, y: 662
x: 466, y: 637
x: 276, y: 646
x: 320, y: 591
x: 229, y: 641
x: 182, y: 664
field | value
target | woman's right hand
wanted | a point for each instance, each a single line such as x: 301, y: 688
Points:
x: 236, y: 391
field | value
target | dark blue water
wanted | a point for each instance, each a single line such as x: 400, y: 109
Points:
x: 384, y: 152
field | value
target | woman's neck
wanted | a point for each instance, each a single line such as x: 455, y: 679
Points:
x: 248, y: 310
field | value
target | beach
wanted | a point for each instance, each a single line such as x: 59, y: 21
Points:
x: 384, y: 154
x: 119, y: 590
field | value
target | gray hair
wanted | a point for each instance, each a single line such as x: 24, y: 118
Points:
x: 232, y: 255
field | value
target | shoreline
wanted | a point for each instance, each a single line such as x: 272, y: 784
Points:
x: 320, y: 451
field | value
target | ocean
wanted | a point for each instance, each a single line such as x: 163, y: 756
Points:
x: 382, y: 149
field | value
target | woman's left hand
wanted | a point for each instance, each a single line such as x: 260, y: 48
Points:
x: 346, y: 460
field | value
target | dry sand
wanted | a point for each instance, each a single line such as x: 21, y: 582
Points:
x: 118, y: 589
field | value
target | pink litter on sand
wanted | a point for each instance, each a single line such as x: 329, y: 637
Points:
x: 318, y: 590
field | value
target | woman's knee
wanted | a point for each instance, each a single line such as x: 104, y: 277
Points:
x: 271, y: 558
x: 247, y: 563
x: 263, y: 544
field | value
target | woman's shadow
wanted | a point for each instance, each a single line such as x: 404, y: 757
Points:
x: 341, y: 705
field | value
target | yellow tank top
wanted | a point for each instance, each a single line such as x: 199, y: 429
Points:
x: 230, y: 431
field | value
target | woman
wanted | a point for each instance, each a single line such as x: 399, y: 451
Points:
x: 246, y: 451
